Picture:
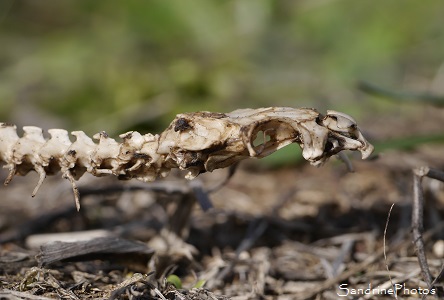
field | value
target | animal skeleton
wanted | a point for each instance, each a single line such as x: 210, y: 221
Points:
x: 197, y: 142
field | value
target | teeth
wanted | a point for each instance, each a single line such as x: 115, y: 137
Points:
x: 196, y: 142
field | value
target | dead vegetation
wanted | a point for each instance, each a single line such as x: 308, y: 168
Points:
x: 292, y: 233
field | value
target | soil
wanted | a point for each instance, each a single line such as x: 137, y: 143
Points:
x: 297, y: 232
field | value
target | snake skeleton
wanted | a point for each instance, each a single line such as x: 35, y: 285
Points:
x: 196, y: 142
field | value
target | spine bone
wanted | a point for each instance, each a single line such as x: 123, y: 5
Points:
x: 196, y: 142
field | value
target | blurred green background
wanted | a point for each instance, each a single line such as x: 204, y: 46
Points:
x: 121, y: 65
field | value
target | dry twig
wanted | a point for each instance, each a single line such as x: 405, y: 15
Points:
x: 384, y: 246
x: 418, y: 215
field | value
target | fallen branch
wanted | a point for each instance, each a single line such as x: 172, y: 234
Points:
x: 197, y: 142
x: 372, y: 89
x: 105, y: 248
x: 418, y: 217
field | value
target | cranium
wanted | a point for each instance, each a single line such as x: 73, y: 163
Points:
x: 201, y: 142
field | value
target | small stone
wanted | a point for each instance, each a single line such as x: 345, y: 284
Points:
x: 438, y: 248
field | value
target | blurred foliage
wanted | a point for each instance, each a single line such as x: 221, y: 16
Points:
x: 174, y: 280
x: 120, y: 65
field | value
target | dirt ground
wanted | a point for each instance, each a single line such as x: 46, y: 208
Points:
x: 297, y: 232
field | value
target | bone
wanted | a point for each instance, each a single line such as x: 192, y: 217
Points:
x: 196, y: 142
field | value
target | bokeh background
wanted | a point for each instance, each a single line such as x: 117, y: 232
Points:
x: 132, y: 65
x: 283, y: 229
